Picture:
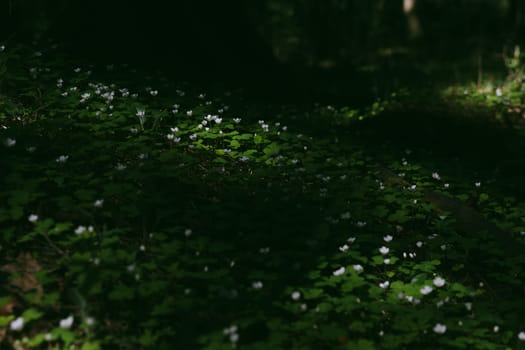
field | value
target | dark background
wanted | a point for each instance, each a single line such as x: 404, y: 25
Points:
x: 319, y: 44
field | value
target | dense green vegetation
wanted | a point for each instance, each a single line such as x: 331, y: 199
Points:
x: 144, y: 213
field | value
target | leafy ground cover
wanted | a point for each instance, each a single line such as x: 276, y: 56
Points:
x: 140, y: 213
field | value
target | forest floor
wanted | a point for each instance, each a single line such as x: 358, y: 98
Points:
x: 137, y: 213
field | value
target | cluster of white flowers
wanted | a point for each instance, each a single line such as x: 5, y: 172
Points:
x: 232, y: 333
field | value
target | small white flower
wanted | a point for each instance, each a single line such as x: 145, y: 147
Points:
x: 339, y: 271
x: 386, y: 261
x: 257, y: 285
x: 62, y: 159
x: 193, y: 137
x: 188, y: 232
x: 234, y: 338
x: 140, y: 113
x: 446, y: 185
x: 344, y: 248
x: 237, y: 120
x: 154, y: 92
x: 477, y: 184
x: 98, y: 203
x: 496, y: 329
x: 358, y: 268
x: 351, y: 239
x: 120, y: 167
x: 440, y: 328
x: 419, y: 244
x: 436, y: 176
x: 17, y: 324
x: 48, y: 337
x: 189, y: 113
x: 296, y: 295
x: 426, y: 290
x: 346, y: 215
x: 384, y: 284
x: 9, y: 142
x: 142, y: 248
x: 521, y: 335
x: 439, y: 282
x: 32, y: 218
x: 361, y: 224
x: 2, y: 48
x: 384, y: 250
x: 67, y: 322
x: 499, y: 92
x: 388, y: 238
x: 80, y: 230
x: 468, y: 306
x: 90, y: 321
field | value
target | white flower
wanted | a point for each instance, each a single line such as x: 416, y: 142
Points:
x: 98, y: 203
x: 388, y: 238
x: 496, y: 329
x: 17, y: 324
x: 237, y: 120
x: 384, y: 250
x: 439, y: 282
x: 120, y: 167
x: 346, y: 215
x: 426, y: 290
x: 154, y: 92
x: 358, y: 268
x: 440, y: 328
x: 188, y: 232
x: 62, y: 159
x: 384, y: 284
x: 230, y: 330
x: 339, y: 271
x: 419, y: 244
x: 478, y: 184
x: 189, y: 113
x: 2, y: 48
x: 67, y: 322
x: 193, y: 137
x: 142, y: 248
x: 32, y: 218
x: 386, y: 261
x: 361, y: 224
x: 80, y: 230
x: 344, y: 248
x: 521, y: 336
x: 257, y: 285
x: 446, y: 185
x: 436, y: 176
x: 140, y: 113
x: 351, y: 239
x: 234, y: 338
x: 296, y: 295
x: 499, y: 92
x: 9, y: 142
x: 48, y: 337
x: 90, y: 321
